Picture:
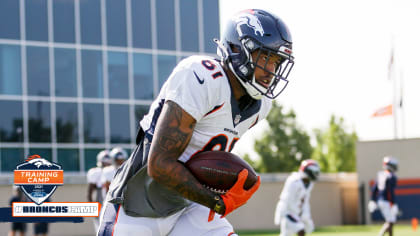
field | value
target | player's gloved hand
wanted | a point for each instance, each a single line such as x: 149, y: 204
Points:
x: 237, y: 195
x: 394, y: 209
x: 372, y: 206
x: 309, y: 226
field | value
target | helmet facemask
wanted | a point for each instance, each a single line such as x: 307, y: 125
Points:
x: 310, y: 169
x: 243, y: 66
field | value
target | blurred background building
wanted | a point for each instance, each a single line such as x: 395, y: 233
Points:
x: 77, y: 76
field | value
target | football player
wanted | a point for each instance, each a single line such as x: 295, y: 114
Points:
x: 118, y: 156
x: 293, y: 212
x: 94, y: 179
x: 206, y: 104
x: 383, y: 194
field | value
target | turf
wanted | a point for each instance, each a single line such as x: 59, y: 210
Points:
x: 350, y: 230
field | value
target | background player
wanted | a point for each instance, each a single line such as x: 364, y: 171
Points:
x: 293, y: 212
x: 118, y: 156
x: 206, y: 104
x: 383, y: 194
x: 17, y: 228
x: 94, y: 179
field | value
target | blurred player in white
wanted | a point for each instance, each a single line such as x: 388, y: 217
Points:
x: 293, y: 212
x: 206, y: 104
x: 94, y: 179
x: 118, y: 157
x: 383, y: 194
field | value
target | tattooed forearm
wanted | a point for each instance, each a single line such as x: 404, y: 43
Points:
x: 172, y: 135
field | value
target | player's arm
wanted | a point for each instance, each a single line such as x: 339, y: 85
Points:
x: 172, y: 135
x: 106, y: 186
x: 91, y: 188
x: 287, y: 195
x: 374, y: 191
x: 391, y: 185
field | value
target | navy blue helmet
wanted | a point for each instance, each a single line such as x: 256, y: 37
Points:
x: 252, y: 30
x: 390, y: 163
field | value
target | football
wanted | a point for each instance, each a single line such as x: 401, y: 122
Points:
x: 219, y: 170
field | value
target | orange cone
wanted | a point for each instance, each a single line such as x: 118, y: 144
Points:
x: 414, y: 223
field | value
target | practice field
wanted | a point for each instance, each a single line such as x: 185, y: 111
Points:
x: 353, y: 230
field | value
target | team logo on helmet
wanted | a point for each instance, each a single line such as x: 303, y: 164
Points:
x: 38, y: 178
x: 252, y: 22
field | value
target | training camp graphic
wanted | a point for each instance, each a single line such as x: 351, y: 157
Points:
x: 38, y: 178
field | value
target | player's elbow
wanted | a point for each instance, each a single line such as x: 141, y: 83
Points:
x: 153, y: 169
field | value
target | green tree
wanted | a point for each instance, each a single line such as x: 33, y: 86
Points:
x: 283, y: 146
x: 335, y: 150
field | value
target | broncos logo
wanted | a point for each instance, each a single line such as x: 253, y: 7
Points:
x: 250, y: 20
x: 38, y: 162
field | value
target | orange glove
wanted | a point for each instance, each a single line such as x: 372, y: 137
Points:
x: 237, y: 195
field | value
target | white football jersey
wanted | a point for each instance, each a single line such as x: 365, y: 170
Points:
x: 94, y: 176
x: 200, y: 86
x: 108, y: 174
x: 294, y: 198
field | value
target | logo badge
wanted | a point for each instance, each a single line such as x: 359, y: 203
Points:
x: 251, y: 21
x: 201, y: 81
x: 38, y: 178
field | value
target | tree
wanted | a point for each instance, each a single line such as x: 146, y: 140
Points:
x: 283, y: 146
x: 336, y: 149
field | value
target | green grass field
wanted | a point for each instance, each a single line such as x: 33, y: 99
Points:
x: 352, y: 230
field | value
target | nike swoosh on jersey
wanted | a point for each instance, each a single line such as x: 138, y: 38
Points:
x: 201, y: 81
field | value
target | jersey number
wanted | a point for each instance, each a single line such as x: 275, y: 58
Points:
x: 220, y: 140
x: 210, y: 66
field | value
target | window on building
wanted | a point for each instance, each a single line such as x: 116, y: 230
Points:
x: 11, y: 122
x: 165, y: 20
x: 45, y: 153
x: 10, y: 75
x: 90, y: 157
x: 141, y: 24
x: 68, y: 159
x: 116, y: 28
x: 93, y: 123
x: 166, y: 64
x: 9, y: 19
x: 66, y: 122
x: 140, y: 111
x: 36, y: 20
x: 37, y: 62
x: 65, y: 72
x: 10, y: 158
x: 143, y: 76
x: 39, y: 122
x: 189, y: 25
x: 92, y: 74
x: 119, y: 117
x: 211, y: 24
x: 90, y: 22
x: 117, y: 75
x: 63, y: 18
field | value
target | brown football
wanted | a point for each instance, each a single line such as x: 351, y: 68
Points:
x: 219, y: 170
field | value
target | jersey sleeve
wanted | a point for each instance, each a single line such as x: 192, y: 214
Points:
x: 306, y: 208
x: 108, y: 175
x: 187, y: 88
x: 286, y: 198
x: 391, y: 185
x: 93, y: 176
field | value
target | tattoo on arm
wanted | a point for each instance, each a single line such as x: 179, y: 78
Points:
x: 172, y: 135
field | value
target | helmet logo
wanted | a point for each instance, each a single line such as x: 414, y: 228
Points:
x: 252, y: 22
